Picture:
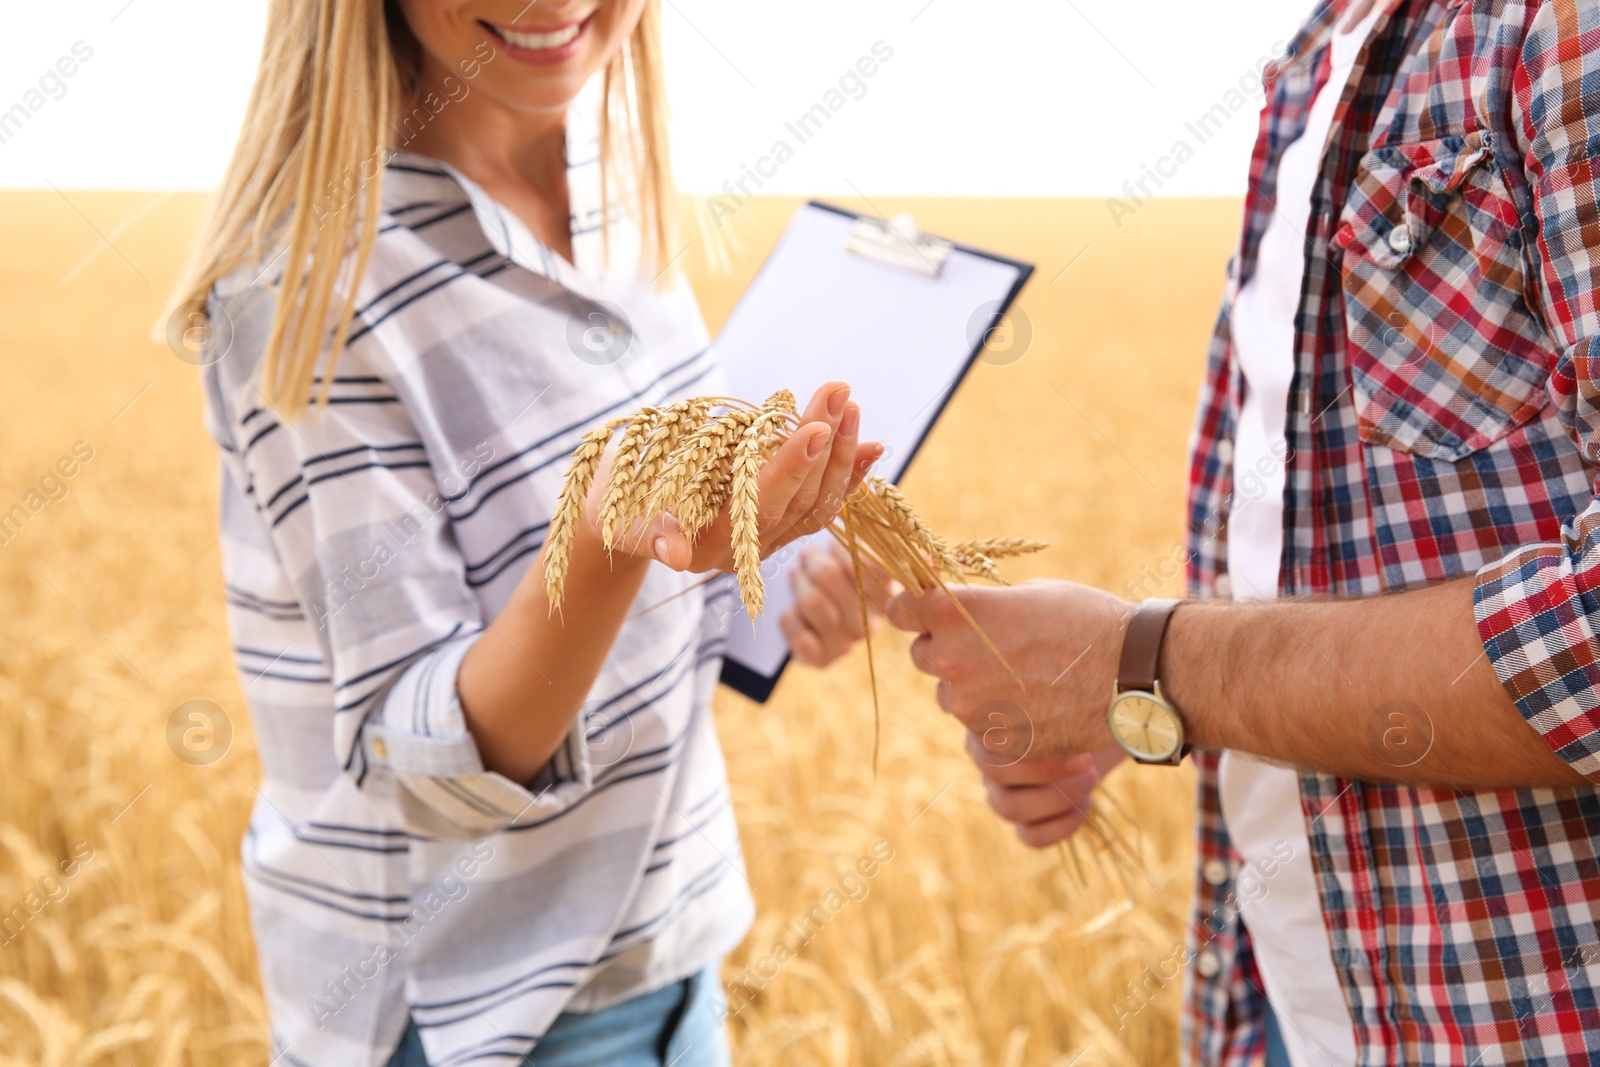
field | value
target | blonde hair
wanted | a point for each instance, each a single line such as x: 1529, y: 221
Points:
x: 305, y: 183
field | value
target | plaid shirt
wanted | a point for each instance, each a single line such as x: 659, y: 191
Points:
x: 1444, y: 419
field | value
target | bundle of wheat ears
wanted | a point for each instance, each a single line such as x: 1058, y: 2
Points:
x: 691, y: 458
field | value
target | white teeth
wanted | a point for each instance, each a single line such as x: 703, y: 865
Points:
x: 539, y: 40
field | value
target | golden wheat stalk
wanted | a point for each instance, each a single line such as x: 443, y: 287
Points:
x: 623, y: 463
x: 854, y: 548
x: 913, y: 529
x: 670, y: 426
x: 695, y: 449
x: 651, y: 473
x: 744, y: 509
x: 982, y: 566
x: 1001, y: 547
x: 978, y: 556
x: 708, y: 488
x: 569, y: 507
x: 744, y: 514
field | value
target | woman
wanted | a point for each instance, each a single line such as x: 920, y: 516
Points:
x: 441, y: 254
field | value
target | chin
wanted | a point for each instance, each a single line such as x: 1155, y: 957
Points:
x: 535, y: 96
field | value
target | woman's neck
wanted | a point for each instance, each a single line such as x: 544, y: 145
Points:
x: 518, y: 157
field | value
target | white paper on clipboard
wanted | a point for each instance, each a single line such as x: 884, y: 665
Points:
x: 903, y: 339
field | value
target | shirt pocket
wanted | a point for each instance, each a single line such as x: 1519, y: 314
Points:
x: 1445, y: 354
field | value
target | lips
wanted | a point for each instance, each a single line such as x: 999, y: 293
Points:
x: 549, y: 40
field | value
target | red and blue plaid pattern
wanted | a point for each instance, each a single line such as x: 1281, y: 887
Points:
x: 1444, y: 420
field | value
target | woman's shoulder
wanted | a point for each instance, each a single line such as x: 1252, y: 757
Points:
x: 238, y: 329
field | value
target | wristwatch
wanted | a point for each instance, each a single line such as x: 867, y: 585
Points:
x: 1143, y: 721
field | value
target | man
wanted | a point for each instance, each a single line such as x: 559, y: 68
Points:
x: 1408, y: 350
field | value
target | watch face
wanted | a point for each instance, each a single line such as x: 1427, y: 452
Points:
x: 1146, y: 726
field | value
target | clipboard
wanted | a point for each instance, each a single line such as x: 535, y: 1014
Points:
x: 900, y: 315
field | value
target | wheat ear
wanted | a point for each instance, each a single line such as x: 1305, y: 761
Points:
x: 915, y: 530
x: 693, y: 448
x: 670, y: 426
x: 980, y: 564
x: 745, y: 512
x: 1001, y: 547
x: 706, y: 491
x: 782, y: 400
x: 623, y: 465
x: 569, y: 508
x: 777, y: 431
x: 979, y: 556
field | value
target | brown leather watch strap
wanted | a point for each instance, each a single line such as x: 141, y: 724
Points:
x: 1141, y: 645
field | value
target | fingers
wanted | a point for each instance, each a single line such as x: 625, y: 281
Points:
x: 1028, y: 771
x: 804, y: 643
x: 829, y: 395
x: 867, y: 453
x: 826, y: 618
x: 1025, y: 804
x: 905, y: 612
x: 825, y: 594
x: 922, y: 658
x: 1047, y: 800
x: 1049, y: 831
x: 838, y: 410
x: 933, y: 611
x: 815, y: 505
x: 783, y: 475
x: 841, y: 474
x: 1044, y: 812
x: 827, y: 406
x: 663, y: 539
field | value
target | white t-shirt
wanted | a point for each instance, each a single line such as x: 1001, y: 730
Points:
x: 1261, y: 802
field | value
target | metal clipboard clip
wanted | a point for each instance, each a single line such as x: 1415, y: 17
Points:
x: 898, y: 243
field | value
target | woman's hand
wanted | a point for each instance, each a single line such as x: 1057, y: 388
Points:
x: 801, y: 488
x: 826, y: 618
x: 1045, y: 799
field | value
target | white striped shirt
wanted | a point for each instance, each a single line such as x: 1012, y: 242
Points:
x: 365, y: 548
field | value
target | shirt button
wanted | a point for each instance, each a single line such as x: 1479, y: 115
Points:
x: 1224, y: 587
x: 1400, y: 239
x: 1215, y: 872
x: 1208, y: 965
x: 380, y: 749
x: 1225, y: 453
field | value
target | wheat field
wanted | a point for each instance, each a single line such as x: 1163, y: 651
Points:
x: 132, y: 946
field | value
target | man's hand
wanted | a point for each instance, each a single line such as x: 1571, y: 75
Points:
x: 1389, y: 688
x: 1062, y: 639
x: 1045, y: 799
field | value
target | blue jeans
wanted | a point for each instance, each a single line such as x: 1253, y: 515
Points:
x: 678, y: 1026
x: 1277, y: 1051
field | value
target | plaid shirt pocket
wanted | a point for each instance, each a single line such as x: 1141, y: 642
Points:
x: 1445, y: 354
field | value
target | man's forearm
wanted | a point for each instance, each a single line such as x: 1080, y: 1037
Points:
x: 1394, y: 688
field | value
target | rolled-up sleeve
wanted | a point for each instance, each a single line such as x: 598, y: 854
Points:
x: 420, y: 734
x: 363, y: 534
x: 1538, y: 608
x: 1537, y: 614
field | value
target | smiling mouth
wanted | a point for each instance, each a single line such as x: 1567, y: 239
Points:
x: 535, y: 42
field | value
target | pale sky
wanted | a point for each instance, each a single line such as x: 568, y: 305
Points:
x: 1009, y: 98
